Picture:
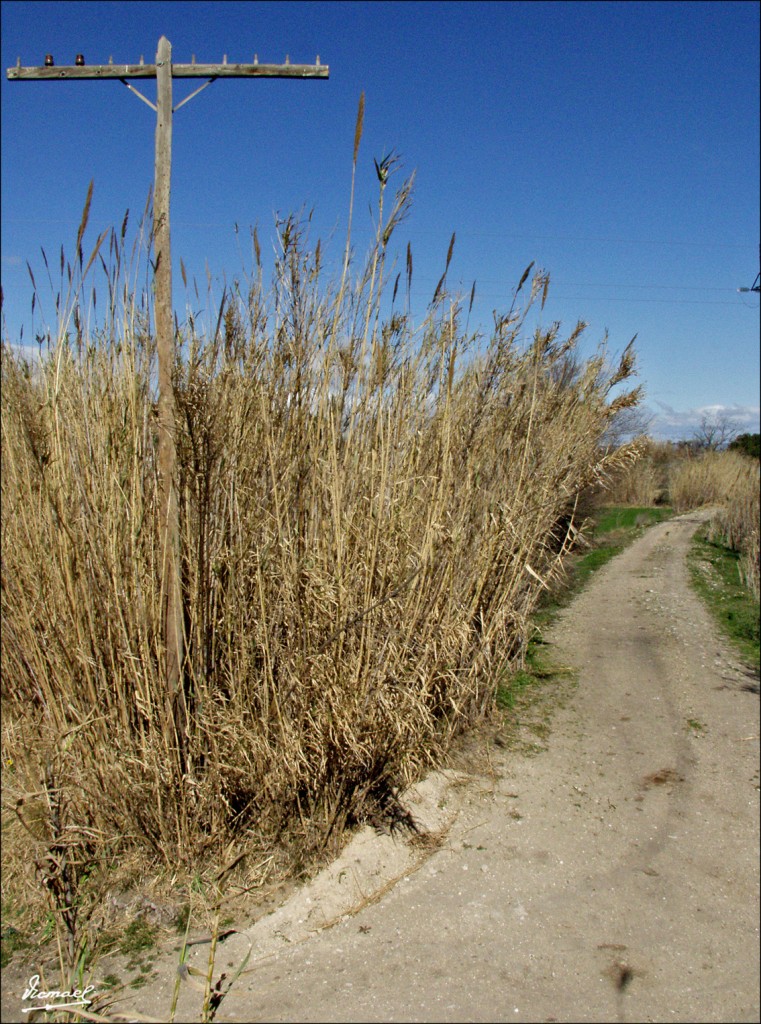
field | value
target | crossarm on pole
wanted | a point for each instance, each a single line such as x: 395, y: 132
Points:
x: 121, y: 71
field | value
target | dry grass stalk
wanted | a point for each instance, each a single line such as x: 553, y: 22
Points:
x: 367, y: 512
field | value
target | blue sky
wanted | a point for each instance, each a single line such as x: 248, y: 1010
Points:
x: 616, y: 144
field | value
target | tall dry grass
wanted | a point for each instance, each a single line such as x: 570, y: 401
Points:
x: 644, y: 481
x: 730, y: 480
x: 369, y: 510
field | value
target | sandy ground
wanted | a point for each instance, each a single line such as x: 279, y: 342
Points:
x: 612, y: 876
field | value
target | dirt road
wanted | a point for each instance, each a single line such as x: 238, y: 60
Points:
x: 614, y: 876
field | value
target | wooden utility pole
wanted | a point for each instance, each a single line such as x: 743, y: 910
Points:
x: 164, y: 71
x: 169, y: 520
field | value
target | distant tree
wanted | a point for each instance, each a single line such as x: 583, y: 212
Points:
x: 715, y: 433
x: 627, y: 424
x: 748, y: 444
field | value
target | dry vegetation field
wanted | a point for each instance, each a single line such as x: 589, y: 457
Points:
x: 368, y: 509
x: 729, y: 480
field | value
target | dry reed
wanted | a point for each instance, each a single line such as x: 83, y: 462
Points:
x: 644, y: 481
x: 368, y: 511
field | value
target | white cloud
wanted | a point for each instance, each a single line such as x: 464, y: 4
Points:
x: 670, y: 424
x: 30, y: 355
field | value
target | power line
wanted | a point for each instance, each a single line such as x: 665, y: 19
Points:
x: 668, y: 302
x: 465, y: 233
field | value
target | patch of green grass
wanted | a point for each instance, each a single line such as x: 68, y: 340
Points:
x: 11, y: 942
x: 138, y: 937
x: 628, y: 517
x: 528, y: 697
x: 22, y: 930
x: 182, y: 918
x: 595, y: 559
x: 514, y: 687
x: 49, y: 930
x: 716, y: 577
x: 511, y: 686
